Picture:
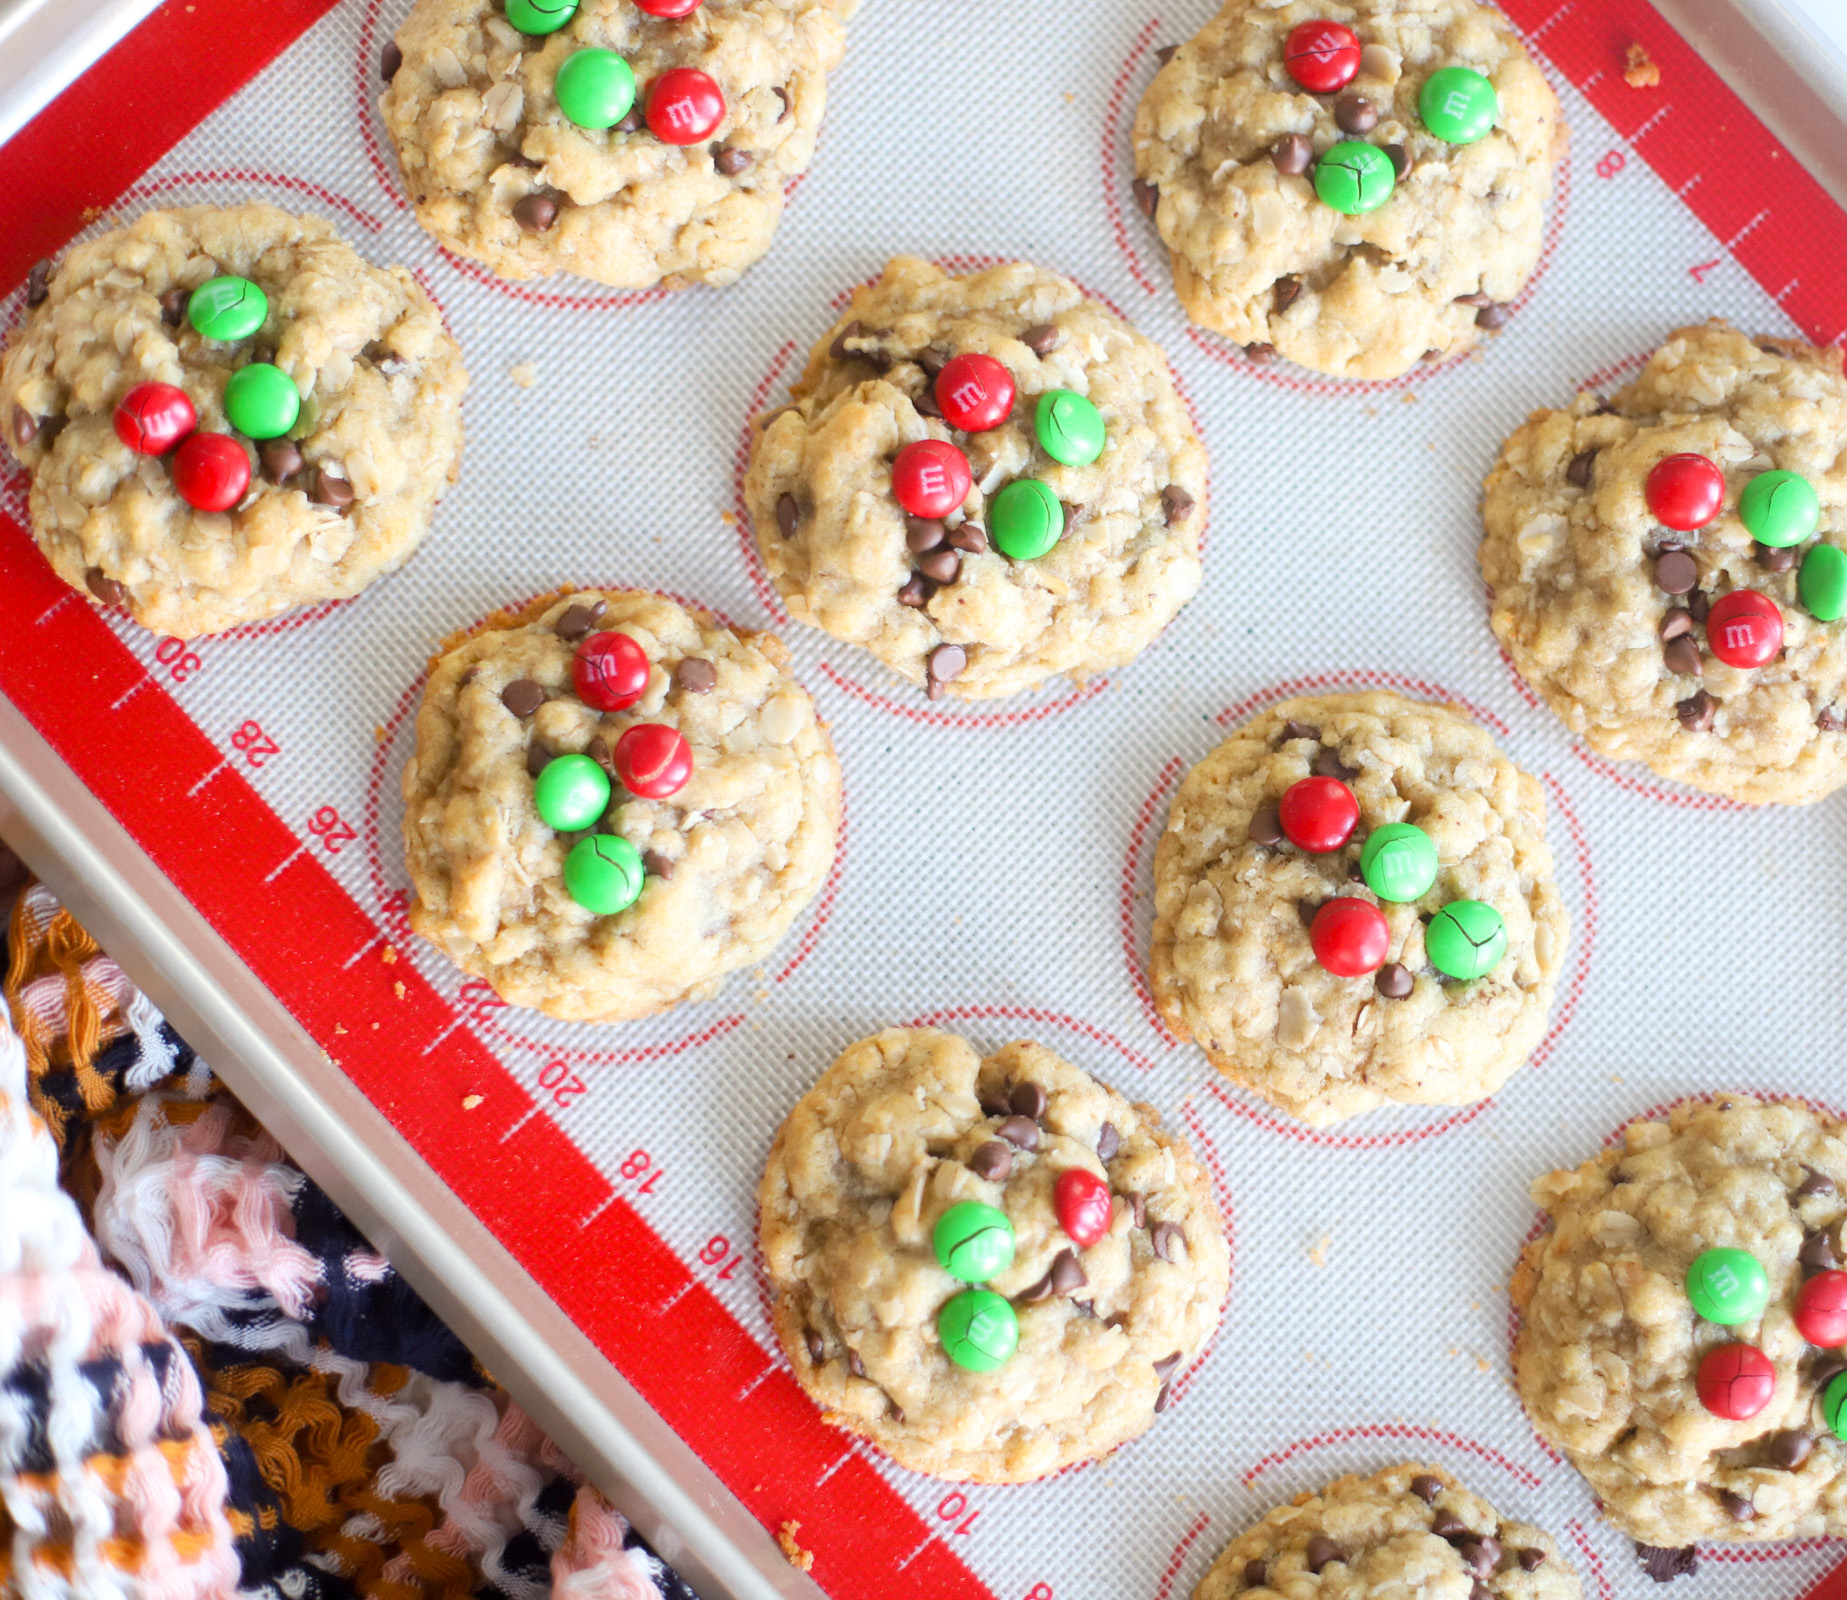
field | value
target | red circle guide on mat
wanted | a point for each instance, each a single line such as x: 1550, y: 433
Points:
x: 605, y: 1266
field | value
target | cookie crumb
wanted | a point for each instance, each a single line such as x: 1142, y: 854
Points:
x: 339, y: 1027
x: 802, y: 1560
x: 1318, y: 1251
x: 389, y: 955
x: 470, y: 1101
x: 729, y: 520
x: 1641, y: 71
x: 398, y: 988
x: 378, y: 733
x: 524, y: 373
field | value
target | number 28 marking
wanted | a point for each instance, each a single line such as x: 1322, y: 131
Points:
x: 256, y: 745
x: 1612, y: 164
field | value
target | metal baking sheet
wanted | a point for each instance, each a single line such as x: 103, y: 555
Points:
x: 253, y: 890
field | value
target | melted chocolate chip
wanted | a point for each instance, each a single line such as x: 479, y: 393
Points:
x: 695, y: 675
x: 817, y: 1346
x: 1738, y: 1507
x: 855, y: 1365
x: 730, y: 161
x: 535, y: 212
x: 1108, y: 1141
x: 1168, y: 1239
x: 1578, y: 473
x: 1176, y: 504
x: 785, y: 515
x: 1021, y: 1132
x: 1322, y: 1551
x: 1264, y: 826
x: 522, y: 697
x: 538, y: 758
x: 1283, y: 293
x: 1788, y: 1449
x: 279, y: 458
x: 1292, y: 155
x: 1427, y: 1488
x: 1066, y: 1273
x: 1813, y: 1183
x: 1147, y: 197
x: 1665, y: 1563
x: 968, y: 536
x: 105, y: 588
x: 1817, y: 1252
x: 991, y: 1160
x: 389, y: 60
x: 38, y: 283
x: 1394, y: 981
x: 1530, y: 1560
x: 1027, y: 1100
x: 1042, y: 338
x: 1696, y: 714
x: 576, y: 620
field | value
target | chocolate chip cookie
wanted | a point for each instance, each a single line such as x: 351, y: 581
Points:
x: 985, y: 481
x: 604, y: 139
x: 1669, y: 565
x: 1407, y: 1530
x: 1683, y: 1314
x: 614, y: 801
x: 991, y: 1268
x: 1354, y: 905
x: 1355, y: 226
x: 226, y: 412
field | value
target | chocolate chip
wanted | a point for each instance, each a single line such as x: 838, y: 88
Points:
x: 1298, y: 730
x: 1027, y: 1100
x: 1400, y: 159
x: 1699, y: 605
x: 38, y: 283
x: 1737, y: 1506
x: 1578, y: 473
x: 1813, y: 1183
x: 1329, y: 765
x: 1828, y: 720
x: 1256, y: 1574
x: 1492, y: 317
x: 730, y: 160
x: 1774, y: 558
x: 522, y: 697
x: 782, y: 95
x: 1427, y: 1488
x: 535, y: 212
x: 1354, y: 113
x: 1664, y: 1563
x: 1066, y: 1273
x: 1825, y: 1370
x: 1264, y: 827
x: 817, y: 1347
x: 1109, y: 1141
x: 1682, y: 656
x: 695, y: 675
x: 1162, y: 1399
x: 330, y: 489
x: 915, y: 591
x: 932, y: 359
x: 1167, y: 1238
x: 838, y: 349
x: 389, y: 60
x: 1306, y: 909
x: 1176, y: 504
x: 1042, y: 338
x: 924, y: 402
x: 785, y: 515
x: 1147, y: 197
x: 105, y: 588
x: 1292, y: 154
x: 173, y: 306
x: 1677, y: 621
x: 1260, y: 354
x: 1447, y: 1525
x: 1033, y: 1293
x: 1788, y: 1449
x: 1164, y: 1368
x: 1477, y: 299
x: 1481, y: 1555
x: 1817, y: 1252
x: 656, y: 864
x: 897, y: 1411
x: 1165, y: 53
x: 940, y: 566
x: 574, y: 622
x: 1283, y: 293
x: 969, y: 536
x: 1138, y: 1209
x: 855, y: 1365
x: 25, y: 426
x: 1394, y: 981
x: 633, y: 122
x: 1696, y: 714
x: 1321, y: 1552
x: 1087, y: 1308
x: 1530, y: 1560
x: 1021, y: 1132
x: 922, y: 533
x: 537, y: 759
x: 944, y: 663
x: 280, y: 458
x: 1480, y: 1591
x: 991, y: 1160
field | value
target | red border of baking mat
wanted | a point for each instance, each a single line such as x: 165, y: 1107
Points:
x: 205, y: 827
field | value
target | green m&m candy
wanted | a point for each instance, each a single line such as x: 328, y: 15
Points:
x: 1466, y: 939
x: 1070, y: 428
x: 974, y: 1242
x: 1780, y: 508
x: 262, y: 401
x: 227, y: 308
x: 1025, y: 519
x: 571, y: 793
x: 1822, y: 582
x: 540, y: 16
x: 1399, y: 862
x: 1458, y: 105
x: 978, y: 1329
x: 604, y: 874
x: 595, y: 88
x: 1728, y: 1286
x: 1354, y: 177
x: 1834, y: 1405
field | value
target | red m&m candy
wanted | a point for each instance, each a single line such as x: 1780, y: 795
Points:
x: 211, y: 471
x: 153, y: 417
x: 1744, y: 628
x: 931, y: 478
x: 974, y: 393
x: 1082, y: 1201
x: 1685, y: 491
x: 1350, y: 937
x: 1322, y: 56
x: 609, y: 671
x: 684, y: 106
x: 668, y: 8
x: 1318, y: 814
x: 652, y: 760
x: 1821, y: 1310
x: 1736, y: 1381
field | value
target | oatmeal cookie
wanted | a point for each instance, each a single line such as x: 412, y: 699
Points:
x: 341, y: 499
x: 931, y: 596
x: 1225, y: 145
x: 1603, y: 609
x: 1404, y: 1531
x: 1609, y: 1352
x: 498, y: 173
x: 724, y: 863
x: 1234, y: 961
x: 857, y: 1202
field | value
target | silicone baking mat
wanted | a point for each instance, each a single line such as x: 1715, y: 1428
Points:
x: 993, y: 874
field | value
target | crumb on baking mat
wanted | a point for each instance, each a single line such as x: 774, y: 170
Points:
x: 1640, y: 72
x: 802, y: 1560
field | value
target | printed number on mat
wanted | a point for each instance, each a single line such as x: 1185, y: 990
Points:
x: 256, y: 745
x: 331, y: 829
x: 180, y: 662
x: 638, y: 1163
x: 478, y: 999
x: 717, y: 1249
x: 564, y: 1084
x: 951, y: 1506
